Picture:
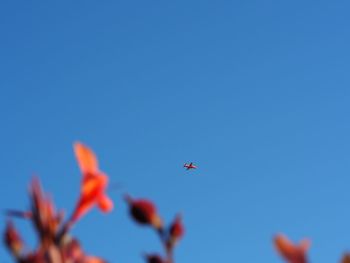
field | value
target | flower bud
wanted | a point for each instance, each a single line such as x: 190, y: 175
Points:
x: 13, y: 240
x: 177, y: 229
x: 176, y: 232
x: 144, y: 212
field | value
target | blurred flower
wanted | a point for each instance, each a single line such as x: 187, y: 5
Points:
x: 144, y: 212
x: 290, y: 252
x: 55, y: 245
x: 13, y: 240
x: 94, y: 183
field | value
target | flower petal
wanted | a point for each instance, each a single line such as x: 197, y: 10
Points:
x: 86, y: 158
x: 284, y: 246
x: 105, y: 203
x: 290, y: 252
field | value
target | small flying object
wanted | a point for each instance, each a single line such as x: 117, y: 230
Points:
x: 190, y: 166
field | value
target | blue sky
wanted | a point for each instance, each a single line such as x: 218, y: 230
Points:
x: 254, y: 92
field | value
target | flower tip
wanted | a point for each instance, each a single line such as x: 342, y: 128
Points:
x: 280, y: 238
x: 77, y: 144
x: 105, y: 204
x: 86, y: 158
x: 289, y: 251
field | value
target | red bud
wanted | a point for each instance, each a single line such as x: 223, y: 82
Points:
x: 144, y: 212
x: 12, y: 239
x: 177, y: 229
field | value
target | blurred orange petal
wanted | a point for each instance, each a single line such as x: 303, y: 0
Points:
x: 94, y: 183
x: 86, y: 158
x: 284, y: 246
x: 105, y: 203
x: 90, y: 192
x: 290, y: 252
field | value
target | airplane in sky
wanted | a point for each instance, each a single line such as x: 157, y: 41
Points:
x: 190, y: 166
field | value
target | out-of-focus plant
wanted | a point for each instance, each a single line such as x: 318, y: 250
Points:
x: 55, y: 243
x: 290, y: 252
x: 144, y: 212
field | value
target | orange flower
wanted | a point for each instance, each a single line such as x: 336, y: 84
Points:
x: 144, y: 212
x: 290, y: 252
x: 94, y: 183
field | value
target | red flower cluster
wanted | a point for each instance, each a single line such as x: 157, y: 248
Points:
x: 55, y: 243
x: 145, y: 212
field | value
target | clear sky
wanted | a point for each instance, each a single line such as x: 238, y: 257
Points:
x: 256, y: 93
